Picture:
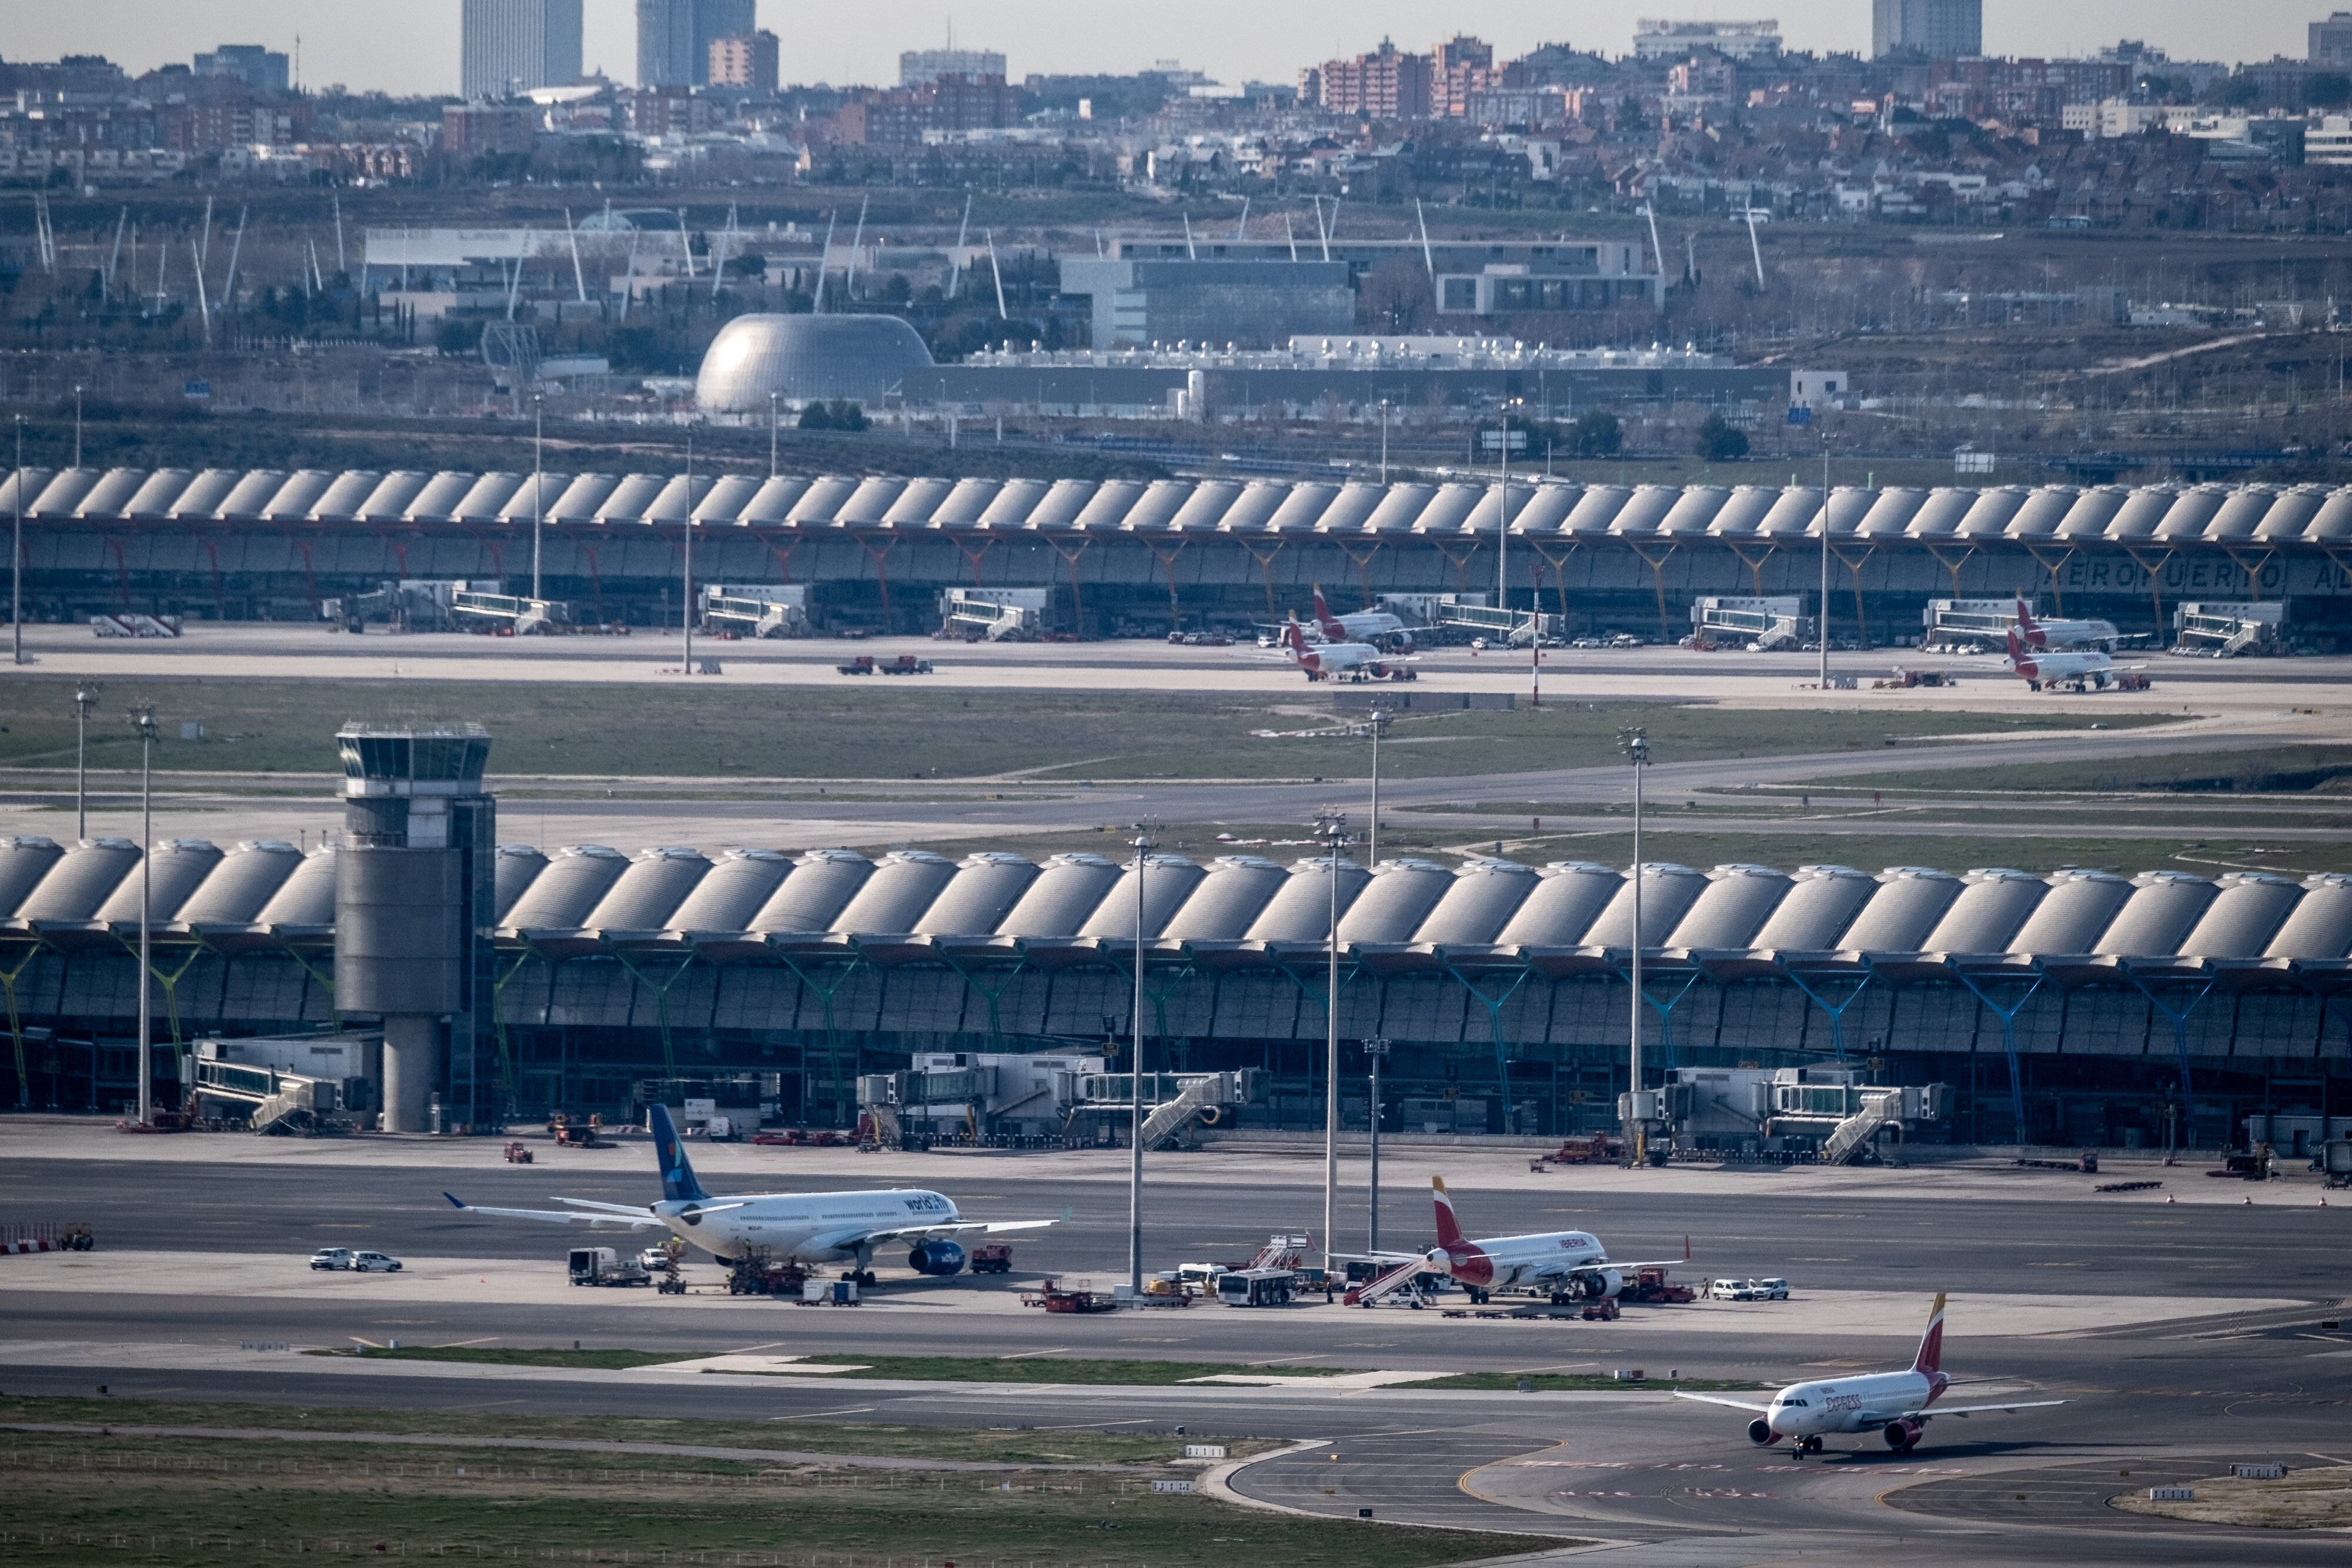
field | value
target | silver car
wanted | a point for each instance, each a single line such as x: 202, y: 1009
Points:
x: 373, y: 1263
x: 331, y: 1258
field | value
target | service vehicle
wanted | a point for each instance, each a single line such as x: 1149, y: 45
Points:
x: 373, y: 1263
x: 331, y: 1258
x: 1257, y: 1287
x: 602, y: 1266
x: 1770, y: 1289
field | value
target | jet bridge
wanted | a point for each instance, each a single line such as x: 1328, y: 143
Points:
x: 1762, y: 624
x: 1012, y: 1100
x: 1829, y: 1111
x: 2222, y: 630
x: 473, y: 611
x: 307, y: 1084
x: 417, y: 604
x: 1496, y: 624
x: 758, y: 609
x: 995, y: 614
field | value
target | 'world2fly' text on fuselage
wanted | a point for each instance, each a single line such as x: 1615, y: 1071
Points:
x: 814, y: 1226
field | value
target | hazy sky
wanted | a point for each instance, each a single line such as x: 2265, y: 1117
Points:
x: 411, y: 45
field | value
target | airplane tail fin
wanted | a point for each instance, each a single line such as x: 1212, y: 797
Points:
x: 2016, y: 649
x: 1293, y: 638
x: 1449, y: 1231
x: 2024, y: 616
x: 1930, y: 1359
x: 677, y: 1176
x: 1323, y: 617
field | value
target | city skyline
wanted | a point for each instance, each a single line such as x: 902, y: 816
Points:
x: 1226, y: 40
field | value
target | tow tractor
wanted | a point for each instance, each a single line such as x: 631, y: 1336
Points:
x: 868, y: 664
x: 517, y: 1154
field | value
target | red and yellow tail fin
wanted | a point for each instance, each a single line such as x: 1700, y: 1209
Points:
x: 1449, y: 1231
x: 1930, y: 1359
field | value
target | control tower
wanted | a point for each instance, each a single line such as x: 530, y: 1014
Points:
x: 415, y: 896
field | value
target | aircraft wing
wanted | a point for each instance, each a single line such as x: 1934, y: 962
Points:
x: 1719, y: 1399
x: 639, y: 1220
x: 1929, y: 1410
x: 608, y: 1208
x: 842, y: 1238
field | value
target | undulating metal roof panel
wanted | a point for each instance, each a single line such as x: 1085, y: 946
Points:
x: 1484, y: 896
x: 2165, y: 905
x: 1225, y: 902
x: 2319, y: 928
x: 646, y: 894
x: 812, y: 898
x: 983, y: 892
x: 1300, y: 909
x: 306, y: 897
x: 516, y: 868
x: 2072, y: 916
x: 80, y: 880
x: 1991, y: 906
x: 1168, y: 883
x: 175, y: 868
x: 240, y: 884
x: 730, y: 893
x: 2244, y: 918
x: 24, y: 860
x: 1568, y: 898
x: 1730, y: 909
x: 893, y: 899
x: 1813, y: 914
x: 1068, y: 889
x: 1908, y: 903
x: 1394, y: 905
x: 572, y: 884
x: 1668, y: 890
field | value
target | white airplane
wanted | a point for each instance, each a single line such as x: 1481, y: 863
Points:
x: 2085, y: 670
x: 1343, y: 661
x: 1558, y: 1263
x: 1377, y: 627
x: 809, y: 1226
x: 1896, y: 1404
x: 2048, y: 636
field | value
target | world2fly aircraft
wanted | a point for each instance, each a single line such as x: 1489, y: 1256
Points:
x: 810, y: 1226
x: 1558, y: 1263
x: 1896, y: 1404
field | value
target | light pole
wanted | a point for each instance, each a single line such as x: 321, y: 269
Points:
x: 144, y: 716
x: 17, y: 554
x: 538, y: 484
x: 1377, y: 724
x: 1384, y: 441
x: 85, y: 698
x: 1635, y: 742
x: 77, y: 462
x: 1333, y: 827
x: 1376, y: 1050
x: 772, y: 435
x: 1503, y: 526
x: 1824, y: 628
x: 1143, y: 846
x: 686, y: 617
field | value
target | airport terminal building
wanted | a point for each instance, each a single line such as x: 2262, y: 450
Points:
x: 874, y: 551
x: 2080, y: 1008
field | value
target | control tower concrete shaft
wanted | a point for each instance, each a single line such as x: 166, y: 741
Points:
x: 413, y: 901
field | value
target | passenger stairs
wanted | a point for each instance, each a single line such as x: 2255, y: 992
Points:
x: 1380, y: 1286
x: 1852, y: 1137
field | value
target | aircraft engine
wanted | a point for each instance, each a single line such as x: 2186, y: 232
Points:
x: 935, y: 1258
x: 1760, y: 1431
x: 1901, y: 1435
x: 1601, y: 1282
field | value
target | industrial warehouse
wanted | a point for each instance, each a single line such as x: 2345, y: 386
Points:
x: 874, y: 552
x: 499, y: 981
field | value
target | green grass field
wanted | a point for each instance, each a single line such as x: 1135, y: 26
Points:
x: 866, y: 732
x: 1951, y: 851
x: 136, y: 1499
x: 2291, y: 770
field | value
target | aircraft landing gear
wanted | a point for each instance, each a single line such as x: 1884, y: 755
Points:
x: 862, y: 1278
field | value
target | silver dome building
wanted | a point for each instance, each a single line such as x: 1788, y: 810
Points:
x: 802, y: 358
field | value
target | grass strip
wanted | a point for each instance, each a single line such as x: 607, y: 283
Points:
x: 1006, y: 1446
x: 170, y: 1503
x: 494, y: 1356
x: 1582, y: 1383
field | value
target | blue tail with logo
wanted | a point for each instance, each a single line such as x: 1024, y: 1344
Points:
x: 678, y: 1178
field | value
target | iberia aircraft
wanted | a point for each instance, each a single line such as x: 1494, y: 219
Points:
x: 2088, y: 670
x: 1375, y: 626
x: 1896, y: 1404
x: 810, y: 1226
x: 1558, y: 1263
x: 1343, y: 661
x: 2043, y: 636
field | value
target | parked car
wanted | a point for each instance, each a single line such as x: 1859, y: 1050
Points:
x: 1732, y: 1289
x: 373, y: 1263
x: 1770, y: 1289
x: 331, y: 1258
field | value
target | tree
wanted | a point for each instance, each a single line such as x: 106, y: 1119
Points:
x: 816, y: 415
x: 1596, y: 434
x: 2327, y: 89
x: 1720, y: 441
x: 847, y: 416
x: 2237, y: 91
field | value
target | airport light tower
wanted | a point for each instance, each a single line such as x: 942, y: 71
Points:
x: 1143, y: 848
x: 1332, y: 827
x: 142, y: 718
x: 1635, y: 742
x: 1376, y: 1051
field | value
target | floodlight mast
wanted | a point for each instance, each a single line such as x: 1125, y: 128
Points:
x: 1635, y: 743
x: 1143, y: 846
x: 1333, y: 827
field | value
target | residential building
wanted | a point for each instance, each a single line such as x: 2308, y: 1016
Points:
x: 1383, y: 85
x: 674, y: 37
x: 1937, y: 29
x: 920, y: 67
x: 1459, y: 68
x: 2331, y: 41
x: 264, y: 70
x: 2328, y: 141
x: 509, y: 46
x: 752, y: 63
x: 1672, y: 41
x: 487, y: 129
x: 952, y: 104
x: 669, y: 111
